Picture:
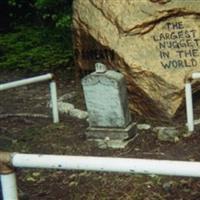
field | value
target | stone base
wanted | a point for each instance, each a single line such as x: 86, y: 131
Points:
x: 114, y: 144
x: 120, y: 134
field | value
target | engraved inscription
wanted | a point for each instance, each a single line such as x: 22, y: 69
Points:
x: 179, y: 47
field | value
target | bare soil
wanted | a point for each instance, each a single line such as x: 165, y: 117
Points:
x: 40, y: 135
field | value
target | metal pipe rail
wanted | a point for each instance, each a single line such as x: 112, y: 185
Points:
x: 46, y: 77
x: 189, y: 102
x: 102, y: 164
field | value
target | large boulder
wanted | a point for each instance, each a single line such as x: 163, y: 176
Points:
x: 154, y: 43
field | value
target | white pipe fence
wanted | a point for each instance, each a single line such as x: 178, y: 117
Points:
x: 189, y: 102
x: 53, y: 90
x: 126, y: 165
x: 9, y: 186
x: 195, y: 75
x: 189, y: 107
x: 102, y: 164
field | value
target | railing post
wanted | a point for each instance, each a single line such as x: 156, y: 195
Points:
x: 7, y: 178
x: 9, y: 186
x: 53, y: 91
x: 189, y: 106
x: 54, y: 102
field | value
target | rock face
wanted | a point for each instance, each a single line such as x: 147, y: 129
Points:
x: 154, y: 43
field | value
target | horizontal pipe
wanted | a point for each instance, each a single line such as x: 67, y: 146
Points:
x: 103, y: 164
x: 196, y: 75
x: 27, y: 81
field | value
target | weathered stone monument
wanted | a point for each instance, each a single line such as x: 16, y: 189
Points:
x: 107, y: 105
x: 154, y: 43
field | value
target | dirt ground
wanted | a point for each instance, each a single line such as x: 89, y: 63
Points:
x: 40, y: 135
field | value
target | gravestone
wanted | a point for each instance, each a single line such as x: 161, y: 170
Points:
x: 154, y: 43
x: 107, y: 105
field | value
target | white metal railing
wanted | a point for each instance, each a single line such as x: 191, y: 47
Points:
x: 189, y: 102
x: 103, y: 164
x: 46, y: 77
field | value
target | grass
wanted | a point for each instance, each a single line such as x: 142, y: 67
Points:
x: 35, y: 48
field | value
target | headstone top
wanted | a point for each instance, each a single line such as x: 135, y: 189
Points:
x: 100, y: 68
x: 109, y: 77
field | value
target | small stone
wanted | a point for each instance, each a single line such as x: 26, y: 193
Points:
x: 168, y: 186
x: 69, y: 108
x: 67, y: 96
x: 65, y: 107
x: 170, y: 134
x: 187, y: 134
x: 85, y: 173
x: 78, y: 113
x: 143, y: 126
x: 156, y: 129
x: 36, y: 174
x: 73, y: 184
x: 107, y: 138
x: 73, y: 176
x: 31, y: 179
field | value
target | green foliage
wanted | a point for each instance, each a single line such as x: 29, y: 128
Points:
x: 12, y: 3
x: 63, y: 21
x: 47, y: 44
x: 43, y: 47
x: 54, y: 13
x: 21, y: 11
x: 44, y: 3
x: 34, y: 49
